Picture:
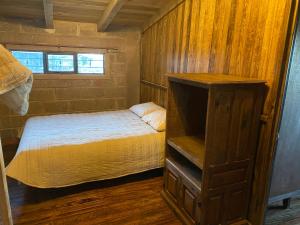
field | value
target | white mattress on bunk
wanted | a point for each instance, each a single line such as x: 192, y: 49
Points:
x: 64, y: 150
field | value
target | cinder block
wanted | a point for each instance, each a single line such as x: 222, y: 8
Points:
x: 88, y: 29
x: 12, y: 122
x: 67, y: 93
x: 78, y: 93
x: 44, y: 39
x: 66, y: 28
x: 105, y: 104
x: 42, y: 94
x: 53, y: 83
x: 10, y: 26
x: 101, y: 83
x: 118, y: 68
x: 56, y: 107
x: 33, y: 29
x: 80, y: 83
x: 36, y: 108
x: 120, y: 81
x: 115, y: 92
x: 91, y: 93
x: 83, y: 105
x: 121, y: 57
x: 121, y: 103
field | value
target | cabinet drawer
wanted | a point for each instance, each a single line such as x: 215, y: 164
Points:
x: 190, y: 199
x: 172, y: 181
x: 183, y: 191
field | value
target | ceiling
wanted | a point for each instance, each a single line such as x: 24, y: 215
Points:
x: 132, y: 13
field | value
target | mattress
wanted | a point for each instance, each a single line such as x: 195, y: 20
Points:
x: 64, y: 150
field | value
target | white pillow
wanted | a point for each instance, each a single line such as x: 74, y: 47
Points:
x: 144, y: 109
x: 156, y: 119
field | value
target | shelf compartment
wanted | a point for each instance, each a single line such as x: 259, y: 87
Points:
x: 191, y: 147
x: 192, y: 174
x: 190, y: 171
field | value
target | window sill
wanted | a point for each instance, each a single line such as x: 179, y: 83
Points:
x: 70, y: 76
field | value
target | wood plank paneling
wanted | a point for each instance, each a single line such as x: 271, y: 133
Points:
x: 237, y: 37
x: 233, y: 37
x: 132, y: 14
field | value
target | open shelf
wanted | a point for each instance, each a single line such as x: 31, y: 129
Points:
x: 188, y: 170
x: 197, y: 136
x: 191, y: 147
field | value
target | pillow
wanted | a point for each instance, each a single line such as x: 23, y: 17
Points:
x: 156, y: 119
x: 144, y: 109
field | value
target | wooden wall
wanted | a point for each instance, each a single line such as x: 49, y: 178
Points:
x: 238, y: 37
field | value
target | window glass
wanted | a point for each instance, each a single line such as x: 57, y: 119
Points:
x: 32, y: 60
x: 90, y: 63
x: 61, y: 63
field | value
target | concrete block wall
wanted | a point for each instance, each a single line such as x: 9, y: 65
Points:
x: 55, y: 94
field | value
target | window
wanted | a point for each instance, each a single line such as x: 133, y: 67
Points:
x: 33, y: 60
x: 90, y: 63
x: 61, y: 62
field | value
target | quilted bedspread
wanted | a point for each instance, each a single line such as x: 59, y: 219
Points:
x: 64, y: 150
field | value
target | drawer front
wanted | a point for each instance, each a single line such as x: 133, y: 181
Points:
x: 172, y: 181
x: 190, y: 200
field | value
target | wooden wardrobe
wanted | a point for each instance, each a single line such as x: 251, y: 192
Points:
x: 212, y: 132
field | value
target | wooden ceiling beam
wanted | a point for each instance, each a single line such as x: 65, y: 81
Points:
x: 48, y: 13
x: 109, y: 14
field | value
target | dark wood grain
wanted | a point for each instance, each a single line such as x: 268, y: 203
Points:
x: 131, y: 200
x: 246, y: 38
x: 212, y: 124
x: 134, y: 13
x: 191, y: 147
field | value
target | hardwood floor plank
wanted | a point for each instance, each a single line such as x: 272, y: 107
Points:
x: 133, y: 200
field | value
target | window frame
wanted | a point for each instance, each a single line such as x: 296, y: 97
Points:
x: 66, y: 51
x: 75, y: 63
x: 104, y: 63
x: 30, y: 50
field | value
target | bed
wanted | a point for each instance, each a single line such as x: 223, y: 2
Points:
x: 64, y: 150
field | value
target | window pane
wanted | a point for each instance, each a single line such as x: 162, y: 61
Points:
x: 90, y: 63
x: 32, y: 60
x: 60, y: 63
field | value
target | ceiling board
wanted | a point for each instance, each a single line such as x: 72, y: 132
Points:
x: 134, y: 13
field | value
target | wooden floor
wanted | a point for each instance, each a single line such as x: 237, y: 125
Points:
x: 278, y: 216
x: 134, y: 200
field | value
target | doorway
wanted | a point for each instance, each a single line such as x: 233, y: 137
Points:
x: 284, y: 198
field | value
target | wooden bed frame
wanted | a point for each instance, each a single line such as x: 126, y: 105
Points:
x: 5, y: 210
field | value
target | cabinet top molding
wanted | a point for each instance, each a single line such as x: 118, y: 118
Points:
x: 206, y: 79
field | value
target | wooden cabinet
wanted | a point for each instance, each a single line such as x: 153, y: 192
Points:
x: 211, y: 142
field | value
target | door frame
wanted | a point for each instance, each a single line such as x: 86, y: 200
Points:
x: 279, y: 104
